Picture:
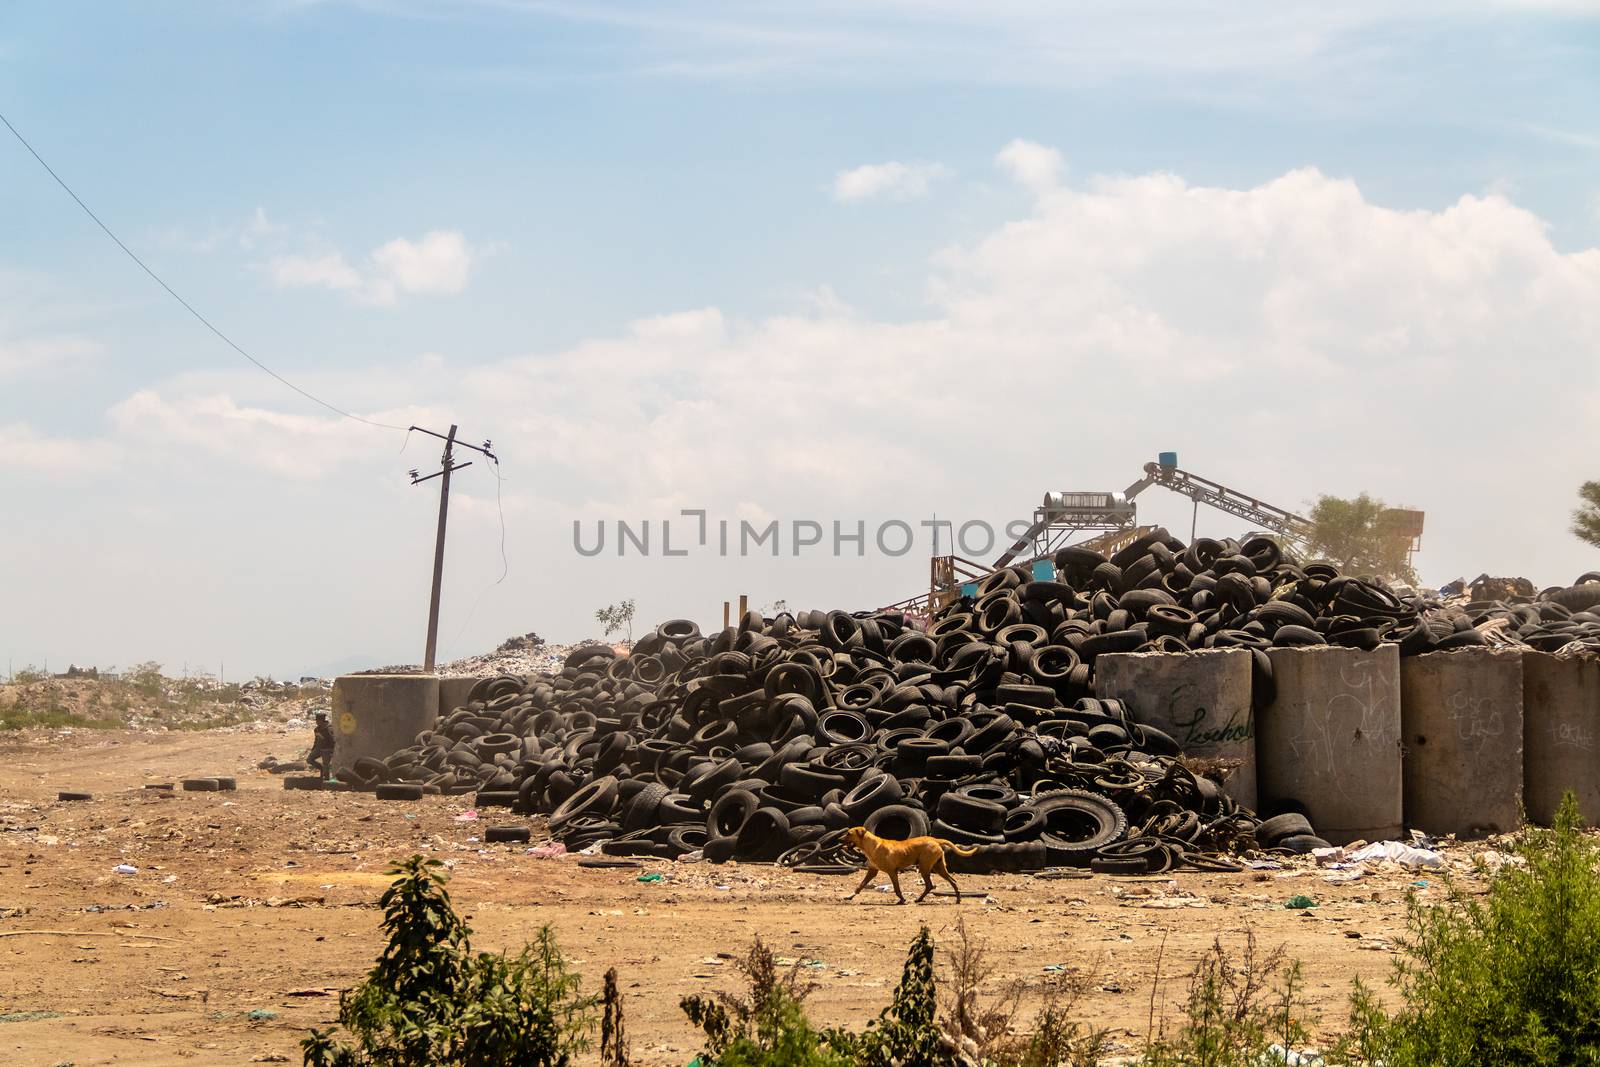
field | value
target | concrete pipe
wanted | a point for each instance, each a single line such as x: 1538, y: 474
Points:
x: 1201, y: 698
x: 376, y: 715
x: 453, y: 693
x: 1560, y: 730
x: 1461, y: 718
x: 1329, y: 744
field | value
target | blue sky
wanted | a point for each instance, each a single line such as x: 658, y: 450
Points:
x: 1314, y: 278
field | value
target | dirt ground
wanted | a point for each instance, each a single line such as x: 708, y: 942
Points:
x: 250, y: 910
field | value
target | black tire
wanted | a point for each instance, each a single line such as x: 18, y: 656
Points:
x: 971, y: 813
x: 719, y: 849
x: 495, y: 798
x: 640, y: 812
x: 1275, y: 829
x: 1579, y: 597
x: 1126, y: 865
x: 200, y: 785
x: 870, y: 794
x: 506, y: 835
x: 1302, y: 844
x: 160, y: 785
x: 66, y: 795
x: 598, y: 797
x: 809, y: 781
x: 1078, y: 824
x: 765, y: 834
x: 898, y: 822
x: 302, y: 781
x: 393, y: 790
x: 731, y: 811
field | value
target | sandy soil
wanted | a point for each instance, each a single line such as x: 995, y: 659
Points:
x: 250, y: 910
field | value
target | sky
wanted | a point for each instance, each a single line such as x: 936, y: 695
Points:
x: 877, y: 263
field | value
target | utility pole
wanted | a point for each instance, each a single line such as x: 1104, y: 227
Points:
x: 447, y: 464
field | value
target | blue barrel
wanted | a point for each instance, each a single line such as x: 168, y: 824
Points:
x: 1044, y: 570
x: 969, y: 589
x: 1168, y: 460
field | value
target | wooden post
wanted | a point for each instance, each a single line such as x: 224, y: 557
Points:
x: 726, y: 608
x: 744, y: 606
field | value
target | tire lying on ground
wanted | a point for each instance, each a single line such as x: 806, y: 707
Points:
x: 506, y: 834
x: 399, y: 791
x: 201, y: 785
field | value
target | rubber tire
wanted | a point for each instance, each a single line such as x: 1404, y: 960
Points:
x: 395, y: 791
x: 1111, y: 824
x: 506, y: 835
x: 1275, y: 829
x: 67, y: 795
x: 200, y: 785
x: 913, y: 822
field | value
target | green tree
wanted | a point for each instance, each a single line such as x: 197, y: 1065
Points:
x: 1359, y: 535
x: 616, y: 617
x: 1586, y: 519
x: 432, y: 1002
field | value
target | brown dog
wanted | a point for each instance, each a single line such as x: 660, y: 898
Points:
x: 926, y: 854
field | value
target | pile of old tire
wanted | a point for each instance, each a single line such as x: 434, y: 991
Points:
x: 764, y: 741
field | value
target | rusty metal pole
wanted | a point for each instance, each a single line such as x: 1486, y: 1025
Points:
x: 744, y: 606
x: 438, y: 554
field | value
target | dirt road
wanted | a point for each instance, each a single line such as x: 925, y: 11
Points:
x: 250, y: 910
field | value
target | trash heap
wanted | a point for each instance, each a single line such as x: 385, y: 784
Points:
x: 763, y: 742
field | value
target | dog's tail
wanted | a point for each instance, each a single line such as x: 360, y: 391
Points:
x: 953, y: 847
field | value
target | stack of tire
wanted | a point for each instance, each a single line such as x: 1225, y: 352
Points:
x: 765, y: 741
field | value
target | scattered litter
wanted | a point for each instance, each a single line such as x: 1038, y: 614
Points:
x: 653, y: 876
x: 260, y: 1015
x: 470, y: 815
x: 1397, y: 852
x: 125, y: 868
x: 550, y: 851
x: 1299, y: 902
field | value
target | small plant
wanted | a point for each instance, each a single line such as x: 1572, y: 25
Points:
x: 1237, y: 1009
x: 765, y: 1026
x: 616, y: 617
x: 985, y: 1032
x: 613, y: 1034
x: 1512, y: 978
x: 907, y: 1031
x: 430, y: 1002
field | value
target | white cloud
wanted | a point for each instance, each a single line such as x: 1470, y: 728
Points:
x: 29, y: 452
x: 328, y: 269
x: 1031, y: 165
x: 437, y: 264
x: 894, y: 180
x: 1291, y: 338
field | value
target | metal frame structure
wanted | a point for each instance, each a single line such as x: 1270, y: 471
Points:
x: 1114, y: 519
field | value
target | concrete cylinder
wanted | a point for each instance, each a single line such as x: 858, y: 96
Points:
x: 1201, y: 698
x: 453, y: 693
x: 1329, y: 743
x: 1560, y: 732
x: 1461, y: 722
x: 376, y: 715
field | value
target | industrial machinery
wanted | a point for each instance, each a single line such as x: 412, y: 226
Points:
x: 1113, y: 521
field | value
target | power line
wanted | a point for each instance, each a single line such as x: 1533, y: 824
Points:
x: 174, y: 294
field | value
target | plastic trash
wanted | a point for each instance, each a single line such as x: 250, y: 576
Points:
x: 1397, y: 852
x: 125, y: 868
x: 653, y: 876
x: 467, y: 816
x: 550, y: 851
x: 1299, y: 902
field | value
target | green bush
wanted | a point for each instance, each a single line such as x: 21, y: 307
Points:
x: 430, y: 1002
x: 1512, y: 978
x: 765, y: 1026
